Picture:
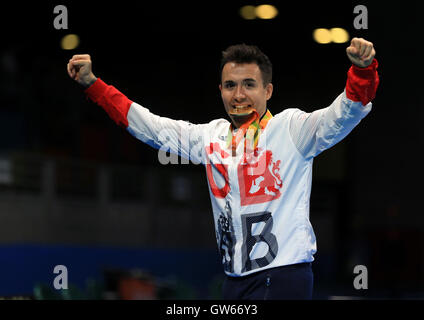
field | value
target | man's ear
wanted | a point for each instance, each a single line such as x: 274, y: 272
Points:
x: 220, y: 87
x: 269, y: 88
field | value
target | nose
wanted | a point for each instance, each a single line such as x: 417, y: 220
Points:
x: 239, y: 94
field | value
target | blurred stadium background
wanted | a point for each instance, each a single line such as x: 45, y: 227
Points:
x: 77, y: 190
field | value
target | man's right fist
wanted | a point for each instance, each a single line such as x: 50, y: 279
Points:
x: 79, y: 69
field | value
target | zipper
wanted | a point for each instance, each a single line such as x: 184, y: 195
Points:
x: 267, y: 285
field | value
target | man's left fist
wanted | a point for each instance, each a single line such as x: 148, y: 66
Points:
x: 361, y: 52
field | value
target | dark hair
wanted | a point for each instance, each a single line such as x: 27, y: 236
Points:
x: 242, y: 53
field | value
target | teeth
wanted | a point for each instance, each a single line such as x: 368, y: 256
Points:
x: 241, y: 110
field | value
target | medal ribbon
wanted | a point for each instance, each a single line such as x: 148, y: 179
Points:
x: 251, y: 129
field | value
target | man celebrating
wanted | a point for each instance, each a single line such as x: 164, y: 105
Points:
x: 258, y: 166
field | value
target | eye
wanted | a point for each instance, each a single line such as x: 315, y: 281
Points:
x: 229, y: 85
x: 250, y: 84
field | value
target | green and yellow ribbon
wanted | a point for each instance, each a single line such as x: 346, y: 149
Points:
x: 251, y: 129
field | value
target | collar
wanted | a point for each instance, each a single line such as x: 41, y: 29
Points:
x: 251, y: 129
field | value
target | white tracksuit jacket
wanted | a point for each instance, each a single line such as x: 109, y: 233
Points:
x: 260, y: 204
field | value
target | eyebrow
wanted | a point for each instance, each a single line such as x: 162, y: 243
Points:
x: 244, y: 80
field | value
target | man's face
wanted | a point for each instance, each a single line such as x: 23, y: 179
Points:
x: 242, y: 91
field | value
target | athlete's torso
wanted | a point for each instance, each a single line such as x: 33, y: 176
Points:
x: 260, y: 200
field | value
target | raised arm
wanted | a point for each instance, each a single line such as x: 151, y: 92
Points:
x: 315, y: 132
x: 176, y: 136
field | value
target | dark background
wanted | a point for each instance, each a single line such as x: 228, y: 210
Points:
x: 366, y: 195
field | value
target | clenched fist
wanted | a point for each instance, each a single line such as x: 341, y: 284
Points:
x: 79, y: 69
x: 361, y: 52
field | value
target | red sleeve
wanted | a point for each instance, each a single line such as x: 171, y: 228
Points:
x: 115, y: 103
x: 362, y: 83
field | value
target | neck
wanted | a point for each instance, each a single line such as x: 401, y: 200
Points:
x: 248, y: 118
x: 262, y: 115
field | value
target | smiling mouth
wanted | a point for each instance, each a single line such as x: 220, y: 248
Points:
x: 237, y: 110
